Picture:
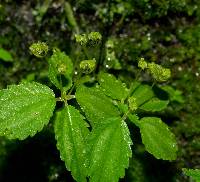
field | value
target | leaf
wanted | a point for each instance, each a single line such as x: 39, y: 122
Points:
x: 113, y: 87
x: 157, y: 138
x: 142, y: 93
x: 134, y: 86
x: 154, y: 104
x: 60, y: 70
x: 5, y: 55
x: 71, y: 131
x: 95, y: 104
x: 174, y: 95
x: 25, y: 109
x: 109, y: 151
x: 194, y: 173
x: 134, y: 119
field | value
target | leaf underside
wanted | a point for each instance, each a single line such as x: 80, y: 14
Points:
x: 157, y: 138
x: 71, y: 131
x: 109, y: 151
x: 95, y: 104
x: 25, y: 109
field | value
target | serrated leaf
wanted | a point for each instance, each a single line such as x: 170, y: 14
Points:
x: 174, y: 95
x: 157, y: 138
x: 113, y: 87
x: 134, y: 119
x: 142, y: 93
x: 95, y: 104
x: 25, y: 109
x: 5, y: 55
x: 109, y: 151
x: 194, y: 173
x: 60, y: 70
x: 134, y: 86
x: 71, y: 131
x: 154, y: 104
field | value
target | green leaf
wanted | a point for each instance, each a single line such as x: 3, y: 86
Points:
x: 25, y: 109
x: 113, y: 87
x: 154, y: 104
x: 194, y: 173
x: 174, y: 95
x: 134, y: 119
x: 109, y: 151
x: 157, y: 138
x: 71, y: 131
x: 142, y: 93
x: 5, y: 55
x: 95, y: 104
x: 60, y: 70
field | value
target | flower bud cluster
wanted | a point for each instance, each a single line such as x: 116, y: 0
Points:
x: 158, y: 72
x: 90, y: 39
x: 39, y: 49
x: 87, y: 66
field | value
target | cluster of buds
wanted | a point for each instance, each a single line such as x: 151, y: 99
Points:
x: 90, y: 39
x: 39, y: 49
x: 142, y: 64
x: 158, y: 72
x: 87, y: 66
x: 132, y: 103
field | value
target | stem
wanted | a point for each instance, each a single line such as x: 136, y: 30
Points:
x: 154, y: 82
x: 125, y: 115
x: 75, y: 83
x: 137, y: 75
x: 85, y: 52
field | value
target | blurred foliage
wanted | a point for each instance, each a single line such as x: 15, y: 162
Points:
x: 166, y: 32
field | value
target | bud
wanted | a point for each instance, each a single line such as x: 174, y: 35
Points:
x: 132, y: 103
x: 159, y: 73
x: 87, y: 66
x: 90, y: 39
x: 81, y: 39
x: 142, y: 64
x: 39, y: 49
x: 62, y: 68
x: 94, y: 38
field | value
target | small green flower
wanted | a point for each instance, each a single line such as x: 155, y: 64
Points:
x: 81, y: 39
x: 142, y: 64
x: 39, y: 49
x: 87, y: 66
x: 94, y: 38
x: 62, y: 68
x: 132, y: 103
x: 159, y: 73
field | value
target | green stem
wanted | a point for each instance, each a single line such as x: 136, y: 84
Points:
x: 75, y: 83
x: 85, y: 52
x: 125, y: 115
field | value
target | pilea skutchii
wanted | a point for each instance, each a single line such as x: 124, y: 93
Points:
x: 93, y: 139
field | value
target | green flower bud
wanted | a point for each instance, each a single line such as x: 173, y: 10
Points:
x: 94, y: 38
x: 39, y: 49
x: 81, y: 39
x: 142, y: 64
x: 159, y: 73
x: 87, y: 66
x: 132, y: 103
x: 62, y: 68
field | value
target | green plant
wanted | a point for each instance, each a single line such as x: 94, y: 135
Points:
x: 91, y: 125
x: 194, y: 173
